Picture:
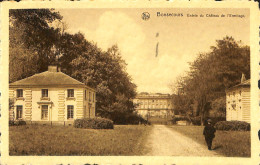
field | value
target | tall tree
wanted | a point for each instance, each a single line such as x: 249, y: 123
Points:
x: 106, y: 71
x: 32, y: 41
x: 211, y: 73
x: 38, y: 38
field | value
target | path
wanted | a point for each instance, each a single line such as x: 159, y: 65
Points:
x: 164, y: 141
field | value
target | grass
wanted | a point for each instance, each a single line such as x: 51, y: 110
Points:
x: 59, y: 140
x: 227, y: 143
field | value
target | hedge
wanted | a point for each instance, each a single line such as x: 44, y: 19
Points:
x: 196, y: 120
x: 232, y: 126
x: 94, y: 123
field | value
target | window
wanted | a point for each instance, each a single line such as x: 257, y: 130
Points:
x: 70, y: 92
x: 44, y: 112
x: 85, y: 94
x: 89, y: 97
x: 93, y: 97
x: 19, y: 92
x: 70, y: 109
x: 44, y: 92
x: 19, y: 111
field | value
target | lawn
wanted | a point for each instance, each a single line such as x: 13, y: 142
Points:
x: 60, y: 140
x: 227, y: 143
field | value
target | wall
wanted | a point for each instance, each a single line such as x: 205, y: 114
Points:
x: 240, y: 99
x: 57, y: 102
x: 246, y: 104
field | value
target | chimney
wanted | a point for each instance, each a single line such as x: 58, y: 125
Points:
x: 243, y: 78
x: 53, y: 68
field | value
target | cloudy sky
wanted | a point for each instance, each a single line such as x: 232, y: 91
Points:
x: 180, y: 38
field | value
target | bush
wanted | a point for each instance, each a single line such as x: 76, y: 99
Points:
x: 232, y: 126
x: 16, y: 122
x: 11, y: 123
x: 94, y: 123
x: 179, y: 118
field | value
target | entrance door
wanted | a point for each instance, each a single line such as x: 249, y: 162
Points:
x: 44, y: 112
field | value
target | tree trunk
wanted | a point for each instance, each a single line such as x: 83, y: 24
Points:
x: 201, y: 119
x: 188, y: 116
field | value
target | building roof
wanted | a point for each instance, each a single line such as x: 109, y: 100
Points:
x: 245, y: 83
x: 48, y: 78
x: 146, y: 95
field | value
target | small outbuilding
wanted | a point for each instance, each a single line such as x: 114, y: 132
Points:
x: 51, y: 96
x: 238, y: 101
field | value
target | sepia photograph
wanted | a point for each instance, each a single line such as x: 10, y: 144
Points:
x: 134, y: 81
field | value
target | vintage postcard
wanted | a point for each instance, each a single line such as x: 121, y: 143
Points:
x: 116, y: 82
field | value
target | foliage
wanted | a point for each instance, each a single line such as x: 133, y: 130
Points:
x: 60, y: 141
x: 129, y: 118
x: 218, y: 107
x: 94, y: 123
x: 106, y: 72
x: 38, y: 38
x: 196, y: 120
x: 17, y: 122
x: 210, y: 74
x: 232, y: 126
x: 217, y: 119
x: 179, y: 118
x: 32, y: 41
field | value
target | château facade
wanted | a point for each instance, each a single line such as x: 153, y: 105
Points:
x: 51, y: 96
x: 154, y: 105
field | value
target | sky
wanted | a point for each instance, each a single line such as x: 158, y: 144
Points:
x: 180, y: 39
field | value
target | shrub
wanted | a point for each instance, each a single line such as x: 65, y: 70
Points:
x: 11, y: 123
x: 94, y: 123
x: 17, y: 122
x: 232, y: 126
x: 179, y: 118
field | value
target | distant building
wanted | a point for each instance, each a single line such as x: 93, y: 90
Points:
x: 51, y: 96
x: 154, y: 105
x: 238, y: 102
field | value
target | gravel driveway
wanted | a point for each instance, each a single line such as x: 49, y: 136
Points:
x: 167, y: 142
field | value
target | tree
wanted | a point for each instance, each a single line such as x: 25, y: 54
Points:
x: 106, y: 71
x: 39, y: 38
x: 211, y: 73
x: 32, y: 41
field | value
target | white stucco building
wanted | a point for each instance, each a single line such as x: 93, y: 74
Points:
x: 51, y: 96
x: 238, y: 102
